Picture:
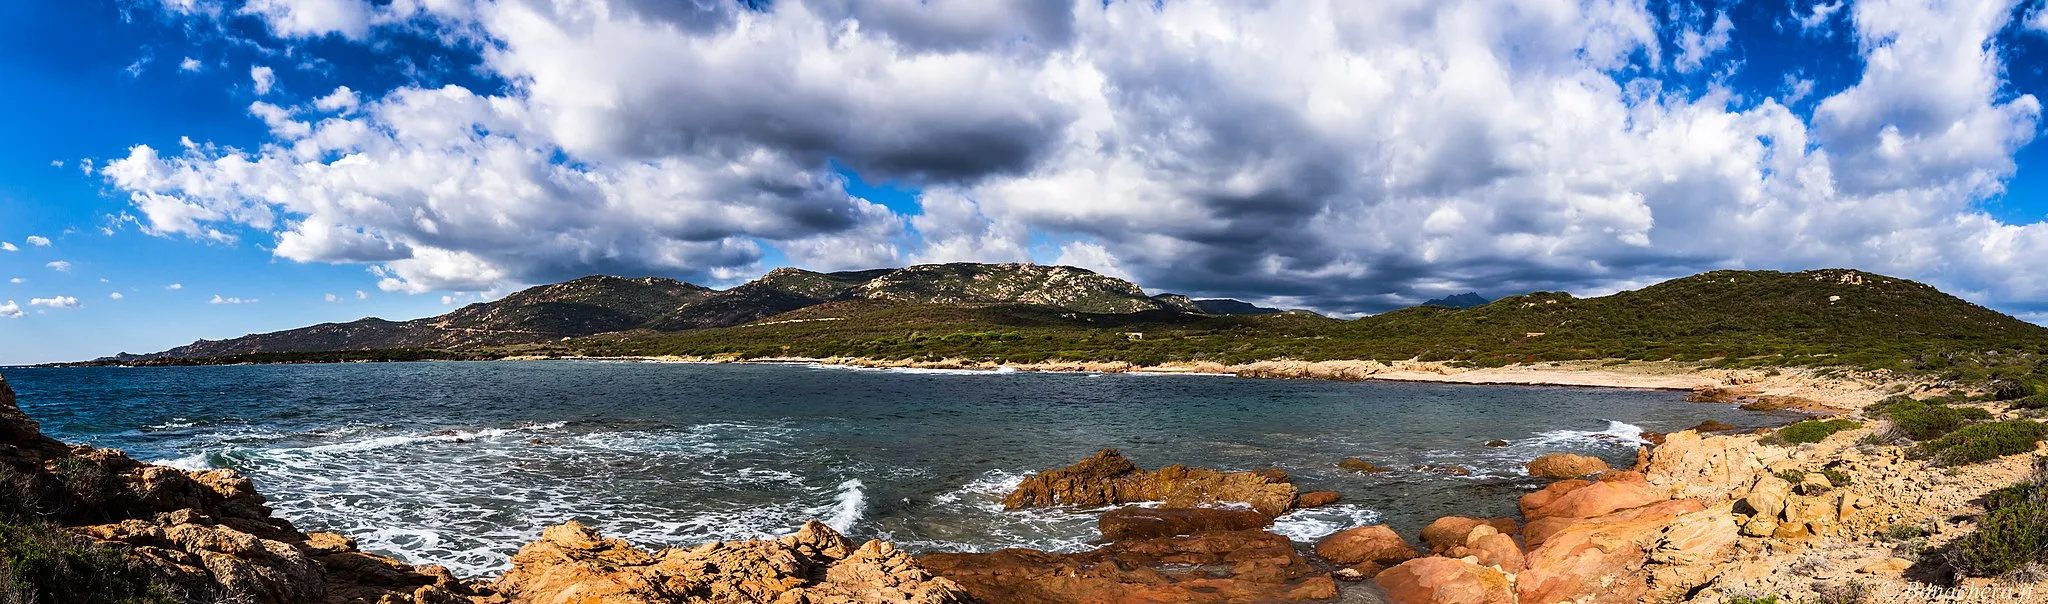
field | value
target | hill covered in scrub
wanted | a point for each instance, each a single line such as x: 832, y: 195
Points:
x: 1822, y: 317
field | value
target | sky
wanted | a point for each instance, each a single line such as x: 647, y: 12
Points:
x: 185, y: 169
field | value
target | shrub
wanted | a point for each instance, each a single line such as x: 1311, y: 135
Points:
x: 2018, y: 494
x: 1813, y: 431
x: 1985, y: 442
x: 1835, y: 477
x: 1904, y: 532
x: 2008, y: 538
x: 2038, y: 401
x: 1923, y: 420
x: 1771, y: 599
x: 40, y: 563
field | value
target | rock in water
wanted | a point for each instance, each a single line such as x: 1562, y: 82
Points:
x: 1452, y: 531
x: 1372, y: 543
x: 1566, y: 465
x: 1316, y: 499
x: 1107, y: 478
x: 1210, y: 567
x: 1359, y: 465
x: 1149, y: 523
x: 572, y: 563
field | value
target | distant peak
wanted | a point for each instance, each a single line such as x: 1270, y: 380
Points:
x: 1464, y: 300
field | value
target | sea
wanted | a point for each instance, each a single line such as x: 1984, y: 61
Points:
x: 460, y: 463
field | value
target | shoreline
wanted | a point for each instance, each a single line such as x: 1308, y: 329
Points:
x: 1797, y: 388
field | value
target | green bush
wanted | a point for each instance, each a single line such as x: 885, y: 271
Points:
x: 1835, y: 477
x: 1923, y: 420
x: 2038, y: 401
x: 1985, y: 442
x: 39, y: 563
x: 1813, y: 431
x: 2013, y: 534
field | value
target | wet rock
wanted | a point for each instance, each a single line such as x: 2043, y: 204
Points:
x: 1452, y: 531
x: 1713, y: 426
x: 1147, y: 523
x: 1496, y: 443
x: 1374, y: 543
x: 1566, y: 465
x: 1316, y: 499
x: 1359, y: 465
x: 1436, y: 580
x: 1210, y: 567
x: 572, y: 563
x: 1107, y: 478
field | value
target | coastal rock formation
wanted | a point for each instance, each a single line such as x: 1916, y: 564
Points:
x: 1147, y: 523
x: 1452, y: 531
x: 1211, y: 567
x: 1372, y: 543
x: 1445, y: 581
x: 1566, y: 465
x: 573, y: 564
x: 1108, y: 478
x: 1316, y: 499
x: 1359, y: 465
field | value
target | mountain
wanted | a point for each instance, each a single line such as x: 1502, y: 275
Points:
x: 590, y: 305
x: 600, y: 304
x: 1464, y: 300
x: 1226, y: 306
x: 1829, y: 317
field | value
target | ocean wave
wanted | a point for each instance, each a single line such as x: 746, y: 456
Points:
x: 442, y: 436
x: 846, y: 507
x: 1616, y: 433
x: 1310, y: 525
x: 197, y: 462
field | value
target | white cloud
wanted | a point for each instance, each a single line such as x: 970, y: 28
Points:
x: 264, y: 79
x: 1817, y: 18
x: 10, y: 310
x: 8, y: 247
x: 57, y: 302
x: 217, y: 299
x: 175, y: 286
x: 1694, y: 46
x: 38, y: 241
x: 56, y: 163
x: 59, y: 266
x: 341, y: 100
x: 17, y: 281
x: 189, y: 65
x: 115, y: 296
x: 362, y: 295
x: 313, y: 18
x: 333, y: 298
x: 1345, y: 154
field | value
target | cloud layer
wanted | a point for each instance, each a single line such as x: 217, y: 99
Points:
x: 1349, y: 156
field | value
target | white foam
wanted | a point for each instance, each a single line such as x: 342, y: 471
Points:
x: 1309, y: 525
x: 433, y: 437
x: 847, y: 506
x: 1616, y: 433
x: 195, y: 462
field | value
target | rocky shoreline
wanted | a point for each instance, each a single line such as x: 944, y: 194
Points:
x: 1700, y: 517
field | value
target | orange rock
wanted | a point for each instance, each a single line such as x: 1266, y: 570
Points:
x: 1581, y: 499
x: 1566, y: 465
x: 1374, y: 543
x: 1437, y: 580
x: 1107, y: 478
x: 1212, y: 567
x: 1316, y: 499
x: 1491, y: 548
x: 1148, y: 523
x: 1451, y: 531
x: 1596, y: 558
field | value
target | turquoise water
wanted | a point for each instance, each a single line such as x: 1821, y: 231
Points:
x: 461, y: 463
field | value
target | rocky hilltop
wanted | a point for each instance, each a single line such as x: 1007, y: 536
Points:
x: 601, y: 304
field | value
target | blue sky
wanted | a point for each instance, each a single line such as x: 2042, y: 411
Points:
x: 325, y: 160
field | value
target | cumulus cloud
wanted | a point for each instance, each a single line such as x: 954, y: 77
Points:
x: 10, y: 310
x: 1349, y: 156
x: 362, y: 295
x: 333, y: 298
x: 217, y: 299
x: 115, y: 296
x: 174, y: 286
x: 59, y: 266
x: 38, y: 241
x: 57, y: 302
x: 263, y: 78
x: 189, y: 65
x: 17, y: 281
x: 8, y: 247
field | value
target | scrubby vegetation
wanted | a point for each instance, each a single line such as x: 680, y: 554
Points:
x: 1984, y: 442
x: 2013, y: 533
x: 1924, y: 420
x: 1813, y: 430
x: 39, y: 563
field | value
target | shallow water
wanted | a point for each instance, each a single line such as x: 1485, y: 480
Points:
x: 461, y: 463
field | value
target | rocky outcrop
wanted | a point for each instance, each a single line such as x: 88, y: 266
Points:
x: 1445, y: 581
x: 1583, y: 499
x: 1214, y: 566
x: 1129, y: 523
x: 572, y: 563
x: 1451, y: 531
x: 1316, y: 499
x: 197, y: 536
x: 1108, y: 478
x: 1373, y: 543
x: 1359, y: 465
x: 1566, y: 465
